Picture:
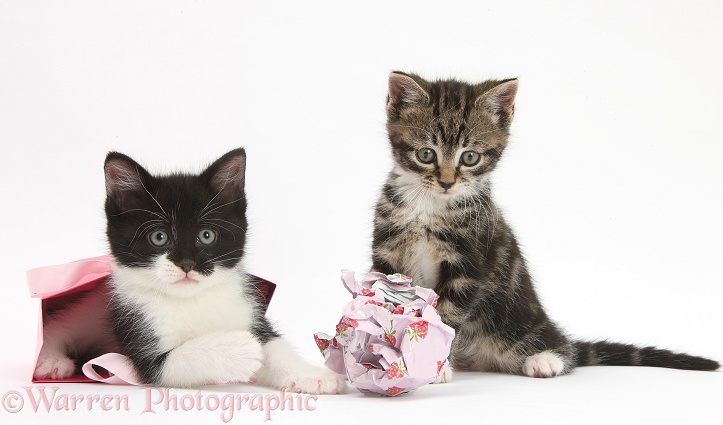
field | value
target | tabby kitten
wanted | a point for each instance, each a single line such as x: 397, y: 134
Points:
x: 436, y: 221
x: 181, y: 305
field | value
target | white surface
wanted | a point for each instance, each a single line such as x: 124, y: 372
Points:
x: 613, y: 181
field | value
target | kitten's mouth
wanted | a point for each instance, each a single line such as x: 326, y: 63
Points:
x: 185, y: 281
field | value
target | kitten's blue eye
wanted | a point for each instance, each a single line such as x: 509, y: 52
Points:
x: 207, y: 236
x: 426, y: 155
x: 470, y: 158
x: 158, y: 238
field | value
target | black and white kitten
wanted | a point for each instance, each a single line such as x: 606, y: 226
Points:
x: 436, y: 221
x: 181, y: 305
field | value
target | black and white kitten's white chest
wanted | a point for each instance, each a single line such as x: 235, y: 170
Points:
x: 221, y: 306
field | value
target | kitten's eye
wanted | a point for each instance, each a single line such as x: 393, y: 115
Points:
x: 207, y: 236
x: 470, y: 158
x: 158, y: 238
x: 426, y: 155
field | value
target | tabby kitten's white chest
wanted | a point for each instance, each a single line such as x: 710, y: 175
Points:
x: 422, y: 250
x: 422, y: 262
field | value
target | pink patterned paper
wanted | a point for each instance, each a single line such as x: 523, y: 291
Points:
x: 390, y: 339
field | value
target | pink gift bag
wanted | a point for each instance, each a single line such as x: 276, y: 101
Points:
x: 61, y: 285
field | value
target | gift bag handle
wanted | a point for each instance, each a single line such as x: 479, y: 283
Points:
x: 118, y: 366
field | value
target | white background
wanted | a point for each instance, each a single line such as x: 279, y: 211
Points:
x: 613, y: 181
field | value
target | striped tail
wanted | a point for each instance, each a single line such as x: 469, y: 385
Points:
x: 606, y: 353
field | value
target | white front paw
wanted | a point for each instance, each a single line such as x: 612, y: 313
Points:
x: 543, y: 365
x: 54, y: 367
x: 316, y: 381
x: 444, y: 376
x: 215, y: 358
x: 241, y: 355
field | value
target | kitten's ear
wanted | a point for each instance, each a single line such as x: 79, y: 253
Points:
x: 227, y: 175
x: 124, y: 178
x: 403, y: 92
x: 499, y: 101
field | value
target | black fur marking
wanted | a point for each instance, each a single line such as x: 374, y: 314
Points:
x: 617, y: 354
x: 162, y: 203
x: 262, y: 329
x: 137, y: 338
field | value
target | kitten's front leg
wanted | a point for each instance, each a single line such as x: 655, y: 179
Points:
x: 218, y: 357
x: 283, y: 368
x: 80, y: 327
x: 381, y: 266
x: 59, y: 337
x: 53, y: 363
x: 444, y: 375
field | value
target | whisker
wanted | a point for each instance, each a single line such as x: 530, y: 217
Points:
x: 218, y: 207
x: 222, y: 255
x: 140, y: 209
x: 224, y: 221
x: 149, y: 194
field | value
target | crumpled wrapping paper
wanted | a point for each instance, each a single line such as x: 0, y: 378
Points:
x: 390, y: 339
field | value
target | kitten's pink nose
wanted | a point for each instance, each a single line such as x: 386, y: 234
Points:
x: 186, y: 265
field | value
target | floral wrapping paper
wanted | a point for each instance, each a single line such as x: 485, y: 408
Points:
x: 390, y: 339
